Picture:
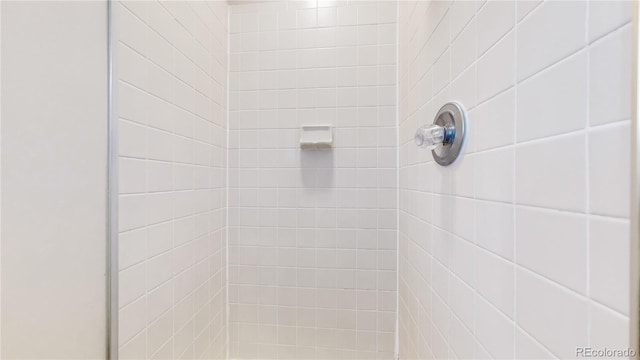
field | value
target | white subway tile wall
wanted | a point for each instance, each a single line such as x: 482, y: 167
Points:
x: 171, y: 67
x: 312, y: 234
x: 520, y: 248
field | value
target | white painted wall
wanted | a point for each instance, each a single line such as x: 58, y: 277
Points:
x: 520, y: 249
x: 171, y: 66
x: 54, y: 162
x: 312, y: 238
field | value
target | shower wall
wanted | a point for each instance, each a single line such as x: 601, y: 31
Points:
x: 312, y: 234
x: 520, y: 249
x: 171, y: 65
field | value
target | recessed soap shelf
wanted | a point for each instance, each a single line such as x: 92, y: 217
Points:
x: 315, y: 137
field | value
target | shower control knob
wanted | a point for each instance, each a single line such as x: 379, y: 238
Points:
x: 445, y: 136
x: 429, y: 136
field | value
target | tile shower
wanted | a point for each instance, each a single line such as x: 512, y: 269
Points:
x: 514, y: 251
x: 234, y: 242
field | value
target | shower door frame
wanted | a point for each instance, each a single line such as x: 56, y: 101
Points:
x: 634, y: 261
x: 113, y: 191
